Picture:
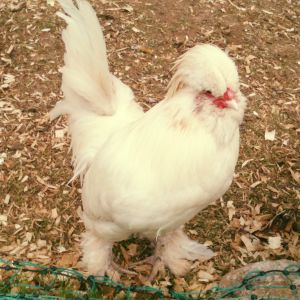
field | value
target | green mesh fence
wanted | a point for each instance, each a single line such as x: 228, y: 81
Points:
x: 26, y: 280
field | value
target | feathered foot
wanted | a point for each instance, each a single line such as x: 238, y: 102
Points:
x: 177, y: 252
x: 97, y: 257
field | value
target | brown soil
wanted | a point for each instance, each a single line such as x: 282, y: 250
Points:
x: 39, y: 209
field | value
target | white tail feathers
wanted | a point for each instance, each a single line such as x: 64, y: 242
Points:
x: 87, y: 83
x: 92, y: 95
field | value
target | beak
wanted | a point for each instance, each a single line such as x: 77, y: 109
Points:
x: 233, y: 104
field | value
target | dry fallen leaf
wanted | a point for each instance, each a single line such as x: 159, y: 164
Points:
x: 274, y: 242
x: 246, y: 162
x: 59, y: 133
x: 295, y: 175
x: 6, y: 199
x: 231, y: 210
x: 248, y: 243
x: 125, y: 254
x: 3, y: 220
x: 270, y: 135
x: 128, y: 8
x: 8, y: 80
x: 68, y: 260
x: 51, y: 2
x: 54, y: 213
x: 3, y: 156
x: 204, y: 276
x: 132, y: 249
x: 136, y: 30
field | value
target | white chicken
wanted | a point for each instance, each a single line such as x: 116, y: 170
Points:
x: 147, y: 173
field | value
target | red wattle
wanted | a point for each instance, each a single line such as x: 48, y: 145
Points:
x: 220, y: 102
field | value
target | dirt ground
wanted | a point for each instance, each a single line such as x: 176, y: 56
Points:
x: 258, y: 218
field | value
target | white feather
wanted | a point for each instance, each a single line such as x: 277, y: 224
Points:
x: 97, y: 102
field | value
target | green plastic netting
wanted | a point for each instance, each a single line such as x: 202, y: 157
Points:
x: 26, y: 280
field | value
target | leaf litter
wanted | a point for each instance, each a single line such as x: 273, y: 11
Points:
x: 258, y: 218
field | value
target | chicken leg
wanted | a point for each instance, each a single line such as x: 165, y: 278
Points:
x: 177, y: 252
x: 98, y: 258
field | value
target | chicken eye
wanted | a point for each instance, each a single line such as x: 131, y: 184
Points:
x: 208, y: 94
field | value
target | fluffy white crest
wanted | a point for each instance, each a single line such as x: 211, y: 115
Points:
x: 204, y: 68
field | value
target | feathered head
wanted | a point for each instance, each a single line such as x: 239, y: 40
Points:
x: 209, y: 71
